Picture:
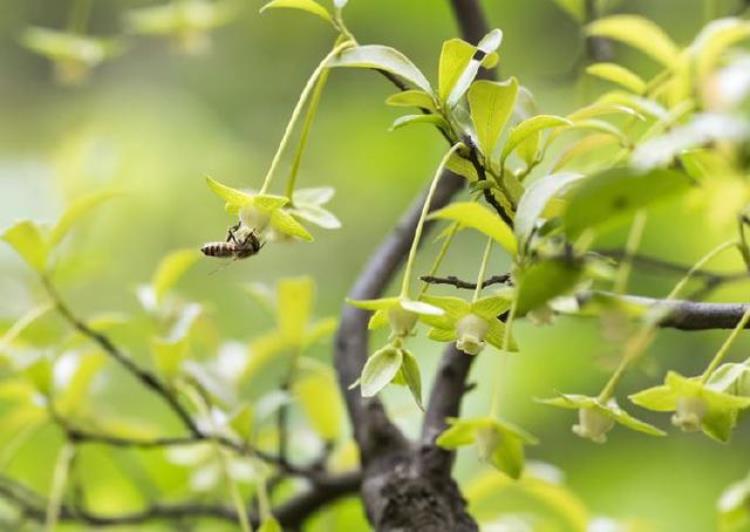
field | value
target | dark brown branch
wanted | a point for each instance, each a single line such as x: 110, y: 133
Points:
x: 452, y: 280
x: 598, y: 49
x: 686, y: 315
x: 148, y: 379
x: 291, y: 514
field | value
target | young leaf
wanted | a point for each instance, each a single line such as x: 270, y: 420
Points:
x: 383, y: 58
x: 380, y: 370
x: 406, y: 120
x: 242, y: 420
x: 317, y: 393
x: 535, y: 199
x: 611, y: 195
x: 26, y: 239
x: 305, y: 5
x: 640, y: 33
x: 491, y: 106
x: 295, y: 297
x: 530, y: 127
x: 476, y: 216
x: 270, y: 525
x: 618, y: 74
x: 412, y: 98
x: 454, y: 58
x: 412, y: 377
x: 74, y: 212
x: 543, y: 281
x: 714, y: 40
x: 77, y: 386
x: 461, y: 166
x: 171, y: 268
x: 168, y: 355
x: 485, y: 48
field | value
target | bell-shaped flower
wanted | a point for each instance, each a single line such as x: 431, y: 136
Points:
x: 596, y: 418
x: 498, y: 443
x: 262, y: 213
x: 73, y: 55
x: 470, y: 325
x: 187, y: 22
x: 697, y: 405
x: 400, y: 312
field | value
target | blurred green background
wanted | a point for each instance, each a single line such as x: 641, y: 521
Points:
x: 154, y: 122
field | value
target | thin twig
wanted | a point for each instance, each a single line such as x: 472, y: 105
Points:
x: 452, y: 280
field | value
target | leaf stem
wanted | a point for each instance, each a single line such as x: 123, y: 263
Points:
x: 420, y: 223
x: 439, y: 258
x: 482, y: 270
x: 631, y: 247
x: 308, y: 89
x: 79, y: 16
x: 638, y: 344
x: 722, y: 352
x: 59, y: 480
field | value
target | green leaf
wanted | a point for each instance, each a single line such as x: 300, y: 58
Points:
x: 715, y: 38
x: 545, y: 280
x: 270, y: 525
x: 242, y: 421
x: 295, y: 298
x: 72, y: 396
x: 39, y: 373
x: 412, y: 377
x: 27, y: 240
x: 459, y: 433
x: 285, y: 223
x: 169, y: 355
x: 380, y: 370
x: 382, y: 58
x: 232, y: 197
x: 461, y: 73
x: 454, y: 58
x: 638, y: 32
x: 490, y: 307
x: 611, y: 195
x: 476, y: 216
x: 412, y: 98
x: 461, y: 166
x: 505, y: 453
x: 535, y: 199
x: 304, y: 5
x: 318, y: 394
x: 7, y: 339
x: 171, y: 269
x: 79, y: 208
x: 618, y: 74
x: 602, y: 127
x: 603, y: 109
x: 491, y: 106
x: 529, y: 127
x: 407, y: 120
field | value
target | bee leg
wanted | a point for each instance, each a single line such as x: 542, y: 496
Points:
x: 230, y: 233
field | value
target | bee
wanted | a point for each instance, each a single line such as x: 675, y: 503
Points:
x: 233, y: 247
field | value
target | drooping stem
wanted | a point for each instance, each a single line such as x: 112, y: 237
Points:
x: 79, y: 16
x: 420, y: 223
x: 724, y: 349
x: 447, y: 241
x: 309, y: 87
x: 59, y: 480
x: 482, y: 269
x: 631, y: 246
x: 312, y: 110
x: 642, y: 339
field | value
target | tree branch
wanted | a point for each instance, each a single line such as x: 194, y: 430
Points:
x: 452, y: 280
x: 291, y: 514
x: 685, y: 315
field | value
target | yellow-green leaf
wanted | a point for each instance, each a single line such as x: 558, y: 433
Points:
x: 295, y: 297
x: 640, y: 33
x: 171, y: 268
x: 26, y: 239
x: 383, y: 58
x: 231, y: 196
x: 618, y: 74
x: 75, y: 211
x: 412, y: 98
x: 476, y: 216
x: 530, y: 127
x: 318, y: 394
x: 491, y: 106
x: 304, y: 5
x: 454, y: 59
x: 285, y: 223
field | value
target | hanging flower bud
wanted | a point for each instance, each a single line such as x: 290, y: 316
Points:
x: 471, y: 331
x: 689, y: 413
x: 593, y: 424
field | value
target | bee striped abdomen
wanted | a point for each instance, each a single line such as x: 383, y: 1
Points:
x: 219, y: 249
